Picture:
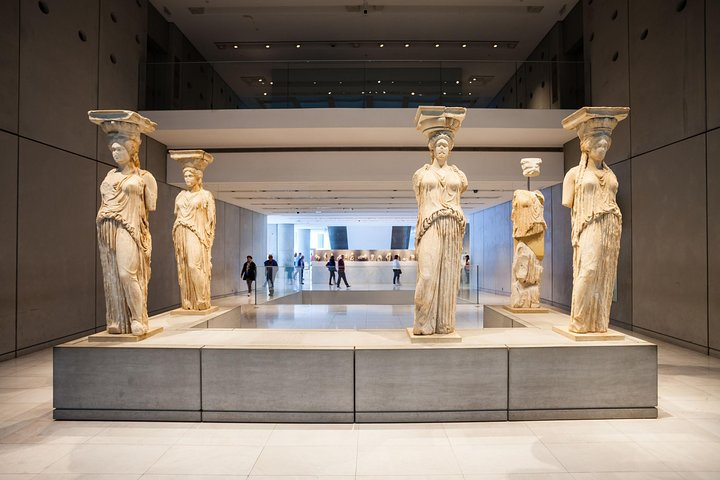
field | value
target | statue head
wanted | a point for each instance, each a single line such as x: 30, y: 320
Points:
x: 192, y: 176
x: 124, y: 148
x: 124, y: 129
x: 440, y: 145
x: 531, y: 166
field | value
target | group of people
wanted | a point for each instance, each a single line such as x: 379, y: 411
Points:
x: 339, y: 267
x: 249, y: 271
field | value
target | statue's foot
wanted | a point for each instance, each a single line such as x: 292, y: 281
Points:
x: 137, y: 328
x: 113, y: 329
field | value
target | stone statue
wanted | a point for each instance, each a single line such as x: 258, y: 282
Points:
x: 529, y: 239
x: 194, y: 231
x: 589, y: 189
x: 440, y: 225
x: 127, y: 195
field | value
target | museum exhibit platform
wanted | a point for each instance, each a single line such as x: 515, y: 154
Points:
x: 267, y: 365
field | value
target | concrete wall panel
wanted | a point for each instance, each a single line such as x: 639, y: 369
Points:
x: 713, y: 239
x: 712, y: 65
x: 163, y: 291
x: 219, y: 272
x: 621, y: 310
x: 9, y: 68
x: 547, y: 275
x: 122, y: 47
x: 606, y: 40
x: 667, y: 72
x: 156, y: 159
x: 8, y: 244
x: 246, y: 235
x: 56, y: 244
x: 260, y: 237
x: 54, y: 58
x: 562, y: 250
x: 233, y: 264
x: 669, y: 251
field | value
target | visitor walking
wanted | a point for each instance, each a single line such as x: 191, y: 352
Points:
x: 331, y: 268
x: 341, y: 271
x: 270, y: 269
x: 396, y: 270
x: 249, y: 273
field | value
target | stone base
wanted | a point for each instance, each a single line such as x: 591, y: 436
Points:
x: 435, y: 338
x: 182, y: 311
x: 122, y: 337
x: 589, y: 337
x: 526, y: 310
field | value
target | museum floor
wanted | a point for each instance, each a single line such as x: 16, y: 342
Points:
x: 683, y: 443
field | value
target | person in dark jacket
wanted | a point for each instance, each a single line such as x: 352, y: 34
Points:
x: 331, y: 268
x: 271, y: 267
x: 341, y: 271
x: 249, y: 272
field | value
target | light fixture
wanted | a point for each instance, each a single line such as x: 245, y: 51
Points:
x: 235, y: 46
x: 297, y: 45
x: 271, y: 83
x: 329, y: 93
x: 412, y: 93
x: 464, y: 45
x: 314, y: 83
x: 437, y: 45
x: 267, y: 46
x: 382, y: 45
x: 444, y: 93
x: 457, y: 82
x: 378, y: 81
x: 265, y: 93
x: 495, y: 45
x: 474, y: 79
x: 407, y: 45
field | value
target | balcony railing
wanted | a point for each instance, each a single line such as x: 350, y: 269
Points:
x: 369, y: 84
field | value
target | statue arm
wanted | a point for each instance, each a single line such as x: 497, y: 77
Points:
x: 151, y: 190
x: 568, y: 191
x: 463, y: 180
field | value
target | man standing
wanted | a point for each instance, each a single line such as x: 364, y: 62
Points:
x: 249, y: 272
x: 341, y: 271
x: 270, y: 269
x: 301, y: 267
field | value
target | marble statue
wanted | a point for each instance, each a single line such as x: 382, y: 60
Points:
x: 589, y: 189
x: 529, y: 239
x: 530, y: 166
x: 194, y: 231
x: 127, y: 195
x: 440, y: 224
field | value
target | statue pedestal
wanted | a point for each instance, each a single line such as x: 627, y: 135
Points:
x: 434, y: 338
x: 182, y: 311
x: 122, y: 337
x: 526, y: 310
x: 610, y: 335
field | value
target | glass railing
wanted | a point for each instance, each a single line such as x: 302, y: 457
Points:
x: 361, y: 84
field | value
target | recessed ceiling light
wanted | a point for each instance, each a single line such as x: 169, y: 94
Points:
x: 437, y: 45
x: 469, y: 93
x: 412, y: 93
x: 407, y: 45
x: 378, y: 81
x: 474, y: 79
x: 383, y: 91
x: 235, y: 46
x: 271, y: 83
x: 329, y: 93
x: 264, y: 93
x: 457, y: 82
x: 464, y: 45
x: 444, y: 93
x: 495, y: 45
x: 382, y: 45
x: 363, y: 93
x: 267, y: 46
x: 314, y: 83
x: 297, y: 46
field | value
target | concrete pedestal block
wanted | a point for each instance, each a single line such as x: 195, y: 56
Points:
x: 112, y: 383
x: 594, y: 378
x: 431, y: 384
x: 277, y: 385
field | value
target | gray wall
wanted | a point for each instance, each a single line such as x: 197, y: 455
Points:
x: 664, y: 64
x: 54, y: 160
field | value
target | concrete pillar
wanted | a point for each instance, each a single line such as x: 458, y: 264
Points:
x: 285, y: 244
x: 302, y: 242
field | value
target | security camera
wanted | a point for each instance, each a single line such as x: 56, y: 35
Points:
x: 298, y: 213
x: 475, y: 191
x: 365, y: 12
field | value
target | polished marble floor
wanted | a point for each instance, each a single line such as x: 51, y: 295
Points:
x: 684, y: 443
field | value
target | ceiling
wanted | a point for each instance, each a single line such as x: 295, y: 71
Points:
x: 459, y: 48
x: 316, y: 167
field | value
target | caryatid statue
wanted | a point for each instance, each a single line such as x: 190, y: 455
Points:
x: 529, y: 241
x: 589, y: 189
x: 440, y: 223
x: 194, y: 231
x: 127, y: 195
